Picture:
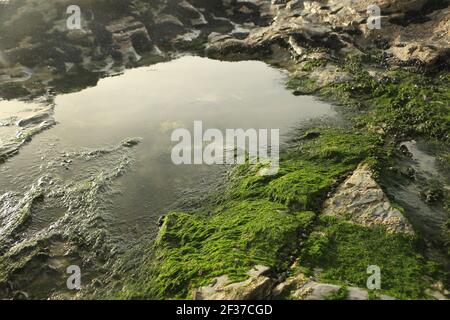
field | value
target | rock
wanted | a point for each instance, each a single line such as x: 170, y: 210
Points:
x: 438, y: 291
x: 36, y: 36
x: 131, y: 142
x: 387, y: 6
x: 295, y: 5
x: 20, y: 295
x: 289, y: 285
x: 130, y: 36
x: 341, y: 26
x: 324, y: 76
x: 37, y: 118
x: 357, y: 294
x: 414, y: 51
x: 302, y: 287
x: 256, y: 287
x: 168, y: 27
x: 363, y: 201
x: 315, y: 291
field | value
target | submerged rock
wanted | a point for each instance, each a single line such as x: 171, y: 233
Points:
x: 33, y: 119
x: 27, y: 126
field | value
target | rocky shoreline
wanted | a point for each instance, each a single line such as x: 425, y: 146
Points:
x: 312, y: 230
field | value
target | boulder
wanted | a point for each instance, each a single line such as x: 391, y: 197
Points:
x: 129, y: 35
x: 256, y: 287
x: 362, y: 200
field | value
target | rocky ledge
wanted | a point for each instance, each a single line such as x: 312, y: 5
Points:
x: 412, y: 32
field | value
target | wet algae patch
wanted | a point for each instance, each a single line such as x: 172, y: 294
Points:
x: 193, y: 249
x: 343, y: 251
x: 308, y: 169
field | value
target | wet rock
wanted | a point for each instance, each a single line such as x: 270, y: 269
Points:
x: 325, y: 76
x: 20, y: 295
x: 301, y: 287
x: 432, y: 193
x: 227, y: 29
x: 33, y: 119
x: 131, y: 142
x: 438, y: 291
x: 129, y: 36
x: 257, y: 287
x: 5, y: 289
x: 341, y: 26
x: 362, y: 200
x: 291, y: 284
x: 15, y: 211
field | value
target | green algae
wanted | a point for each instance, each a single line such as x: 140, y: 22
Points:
x: 193, y: 249
x: 341, y: 294
x: 313, y: 64
x: 401, y: 102
x: 264, y: 220
x: 308, y: 169
x: 344, y: 250
x: 398, y: 102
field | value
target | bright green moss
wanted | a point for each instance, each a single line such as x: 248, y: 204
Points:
x: 308, y: 169
x: 344, y: 251
x: 303, y: 188
x: 341, y: 294
x: 400, y: 102
x: 193, y: 249
x: 257, y: 221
